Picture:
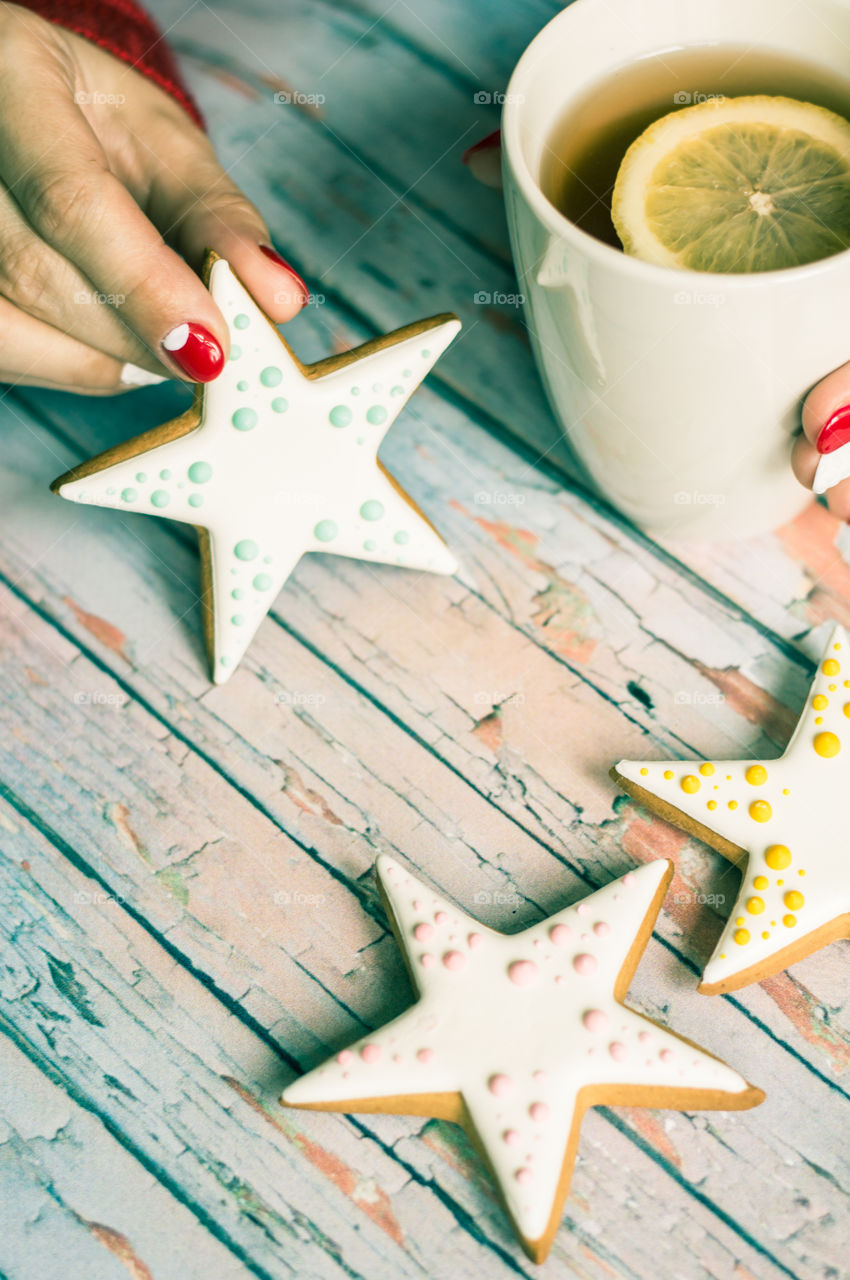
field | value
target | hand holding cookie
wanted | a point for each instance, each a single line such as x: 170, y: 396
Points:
x: 109, y: 195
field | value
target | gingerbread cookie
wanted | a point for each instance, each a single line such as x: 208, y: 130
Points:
x: 781, y: 820
x: 274, y: 459
x: 514, y: 1036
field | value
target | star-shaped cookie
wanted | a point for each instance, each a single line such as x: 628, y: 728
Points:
x: 274, y: 459
x: 514, y: 1036
x: 781, y: 820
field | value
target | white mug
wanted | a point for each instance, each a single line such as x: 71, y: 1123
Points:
x: 679, y: 391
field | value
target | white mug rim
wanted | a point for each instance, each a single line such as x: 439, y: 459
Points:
x: 605, y: 254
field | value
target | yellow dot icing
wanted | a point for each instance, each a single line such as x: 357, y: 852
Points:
x: 741, y: 920
x: 818, y: 719
x: 760, y: 811
x: 761, y: 882
x: 712, y: 804
x: 794, y: 900
x: 765, y: 935
x: 820, y: 702
x: 706, y: 769
x: 801, y: 872
x: 778, y: 857
x: 668, y: 774
x: 831, y: 667
x: 690, y: 783
x: 756, y: 775
x: 755, y: 906
x: 847, y: 708
x: 827, y: 744
x: 832, y: 687
x: 644, y: 772
x: 789, y: 921
x: 741, y: 936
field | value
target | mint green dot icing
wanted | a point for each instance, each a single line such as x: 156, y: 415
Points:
x: 267, y: 559
x: 141, y: 477
x: 241, y: 322
x: 376, y: 387
x: 244, y: 419
x: 159, y: 498
x: 246, y: 550
x: 425, y: 353
x: 235, y: 353
x: 355, y: 391
x: 200, y: 472
x: 129, y: 495
x: 369, y: 544
x: 401, y: 537
x: 280, y: 405
x: 340, y: 415
x: 196, y: 499
x: 225, y: 661
x: 325, y: 531
x: 372, y: 509
x: 242, y: 385
x: 271, y: 376
x: 397, y: 391
x: 405, y: 373
x: 165, y: 475
x: 376, y: 414
x: 262, y: 582
x: 238, y: 620
x: 237, y: 593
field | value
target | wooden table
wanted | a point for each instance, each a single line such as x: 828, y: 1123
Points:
x: 189, y: 909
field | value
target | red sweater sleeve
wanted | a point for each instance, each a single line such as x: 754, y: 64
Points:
x: 126, y: 30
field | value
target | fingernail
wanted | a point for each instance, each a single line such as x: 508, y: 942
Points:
x: 133, y: 375
x: 274, y: 256
x: 493, y: 139
x: 835, y: 431
x: 195, y: 351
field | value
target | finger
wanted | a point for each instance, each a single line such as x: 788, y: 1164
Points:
x: 197, y: 206
x: 33, y: 353
x: 804, y: 462
x: 823, y: 403
x: 72, y: 201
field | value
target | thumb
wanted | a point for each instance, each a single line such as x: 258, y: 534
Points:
x: 206, y: 210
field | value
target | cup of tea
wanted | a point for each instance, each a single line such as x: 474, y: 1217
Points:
x: 679, y: 390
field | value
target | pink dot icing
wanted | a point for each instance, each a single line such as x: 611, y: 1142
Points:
x: 500, y: 1085
x: 594, y: 1020
x: 440, y: 917
x: 538, y: 1112
x: 522, y: 972
x: 370, y: 1052
x: 629, y: 879
x: 511, y: 1137
x: 427, y: 961
x: 644, y: 1037
x: 418, y: 905
x: 423, y: 932
x: 538, y: 1075
x: 344, y: 1057
x: 474, y: 940
x: 601, y: 929
x: 560, y: 934
x: 666, y: 1055
x: 425, y: 1055
x: 618, y: 1051
x: 559, y: 979
x: 454, y: 960
x: 585, y: 964
x: 523, y: 1176
x: 582, y: 909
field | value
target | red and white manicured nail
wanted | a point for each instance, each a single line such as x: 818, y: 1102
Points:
x: 833, y: 444
x: 195, y: 352
x: 274, y: 256
x: 133, y: 375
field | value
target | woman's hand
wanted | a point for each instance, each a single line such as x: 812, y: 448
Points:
x: 109, y: 195
x: 826, y: 428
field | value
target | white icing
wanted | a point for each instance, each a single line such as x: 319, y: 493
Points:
x: 507, y: 1026
x: 808, y: 821
x: 287, y: 480
x: 832, y: 468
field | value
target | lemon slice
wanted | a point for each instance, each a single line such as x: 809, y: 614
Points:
x: 737, y: 185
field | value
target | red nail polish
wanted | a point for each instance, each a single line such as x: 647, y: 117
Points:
x: 194, y: 350
x: 835, y: 431
x: 493, y: 139
x: 275, y: 257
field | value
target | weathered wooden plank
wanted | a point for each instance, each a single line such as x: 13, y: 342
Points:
x: 73, y: 1201
x: 171, y: 1070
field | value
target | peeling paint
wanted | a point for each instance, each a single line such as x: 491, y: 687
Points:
x: 652, y: 1130
x: 102, y: 630
x: 304, y: 797
x: 119, y: 816
x: 800, y: 1008
x: 810, y: 541
x: 119, y: 1246
x: 753, y: 703
x: 69, y: 986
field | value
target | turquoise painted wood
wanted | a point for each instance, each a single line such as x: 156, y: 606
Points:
x: 189, y: 915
